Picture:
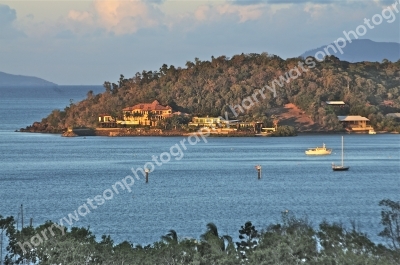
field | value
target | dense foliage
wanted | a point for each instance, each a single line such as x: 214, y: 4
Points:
x: 284, y: 131
x: 370, y: 89
x: 292, y: 241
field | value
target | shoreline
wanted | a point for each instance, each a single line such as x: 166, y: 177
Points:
x: 128, y: 132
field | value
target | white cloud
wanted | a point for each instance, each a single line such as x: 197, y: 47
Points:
x: 119, y: 17
x: 245, y: 13
x: 7, y: 28
x: 80, y: 16
x: 316, y: 11
x: 192, y: 16
x: 202, y: 13
x: 79, y: 39
x: 126, y: 17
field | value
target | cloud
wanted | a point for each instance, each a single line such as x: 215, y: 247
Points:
x: 244, y: 13
x: 386, y: 2
x: 220, y: 12
x: 119, y: 17
x: 316, y: 11
x: 155, y: 1
x: 254, y: 2
x: 80, y: 16
x: 248, y: 2
x: 78, y: 45
x: 65, y: 34
x: 203, y: 13
x: 303, y: 1
x: 7, y: 15
x: 7, y: 18
x: 128, y: 17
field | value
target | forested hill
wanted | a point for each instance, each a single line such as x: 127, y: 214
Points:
x: 10, y: 80
x: 370, y: 89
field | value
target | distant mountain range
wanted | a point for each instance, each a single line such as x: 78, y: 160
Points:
x: 21, y: 80
x: 361, y: 50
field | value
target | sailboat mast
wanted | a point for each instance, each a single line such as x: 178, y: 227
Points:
x: 342, y: 150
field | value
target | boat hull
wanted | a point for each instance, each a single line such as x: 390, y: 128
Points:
x: 318, y: 153
x: 340, y: 168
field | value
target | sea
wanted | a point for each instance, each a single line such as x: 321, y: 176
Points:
x: 192, y: 181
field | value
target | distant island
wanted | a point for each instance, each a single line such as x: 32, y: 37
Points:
x: 22, y: 80
x: 234, y: 96
x: 361, y: 50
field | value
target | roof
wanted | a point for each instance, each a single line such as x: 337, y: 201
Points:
x: 352, y: 118
x: 388, y: 102
x: 335, y: 102
x: 103, y: 115
x: 155, y: 105
x: 394, y: 115
x: 214, y: 118
x: 180, y: 113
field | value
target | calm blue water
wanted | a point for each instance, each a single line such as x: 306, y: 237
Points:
x: 215, y: 181
x: 20, y: 107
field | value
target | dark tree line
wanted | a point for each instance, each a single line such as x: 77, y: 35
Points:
x: 291, y: 241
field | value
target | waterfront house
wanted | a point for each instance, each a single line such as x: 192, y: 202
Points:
x: 336, y: 106
x: 219, y: 123
x: 209, y: 122
x: 105, y: 118
x: 107, y: 121
x: 355, y: 123
x: 146, y: 114
x: 335, y: 103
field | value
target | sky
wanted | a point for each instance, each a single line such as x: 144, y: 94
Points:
x: 92, y: 41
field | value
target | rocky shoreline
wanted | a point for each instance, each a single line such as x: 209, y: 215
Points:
x: 38, y: 127
x: 129, y: 132
x: 126, y: 132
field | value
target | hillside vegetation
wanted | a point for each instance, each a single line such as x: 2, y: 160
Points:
x: 292, y: 241
x: 370, y: 89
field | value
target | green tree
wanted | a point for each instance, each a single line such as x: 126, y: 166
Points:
x: 291, y: 242
x: 390, y: 219
x: 249, y: 237
x: 211, y: 236
x: 7, y: 225
x: 171, y: 237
